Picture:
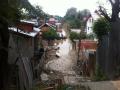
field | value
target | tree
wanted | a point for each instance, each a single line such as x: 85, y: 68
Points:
x: 32, y: 11
x: 39, y: 11
x: 83, y: 17
x: 71, y: 18
x: 91, y: 36
x: 76, y: 19
x: 113, y: 61
x: 72, y: 12
x: 73, y: 36
x: 9, y: 15
x: 101, y: 27
x: 50, y: 35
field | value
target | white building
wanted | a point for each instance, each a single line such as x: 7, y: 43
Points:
x: 76, y: 30
x: 90, y: 21
x: 89, y: 25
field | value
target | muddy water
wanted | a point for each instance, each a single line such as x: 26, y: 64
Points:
x: 65, y: 62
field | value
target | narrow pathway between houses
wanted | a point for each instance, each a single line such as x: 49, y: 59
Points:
x: 62, y: 67
x: 65, y: 63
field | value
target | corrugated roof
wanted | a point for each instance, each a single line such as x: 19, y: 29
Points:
x: 31, y: 34
x: 30, y: 22
x: 52, y: 26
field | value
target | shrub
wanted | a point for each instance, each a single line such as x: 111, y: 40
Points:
x: 101, y: 27
x: 50, y: 35
x: 74, y: 35
x: 99, y: 75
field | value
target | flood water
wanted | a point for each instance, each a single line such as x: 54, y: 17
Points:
x: 65, y: 62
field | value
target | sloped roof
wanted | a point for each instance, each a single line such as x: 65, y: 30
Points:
x: 31, y: 34
x: 52, y: 26
x: 30, y: 22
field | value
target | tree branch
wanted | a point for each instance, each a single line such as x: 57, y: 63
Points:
x: 111, y: 2
x: 115, y: 10
x: 103, y: 12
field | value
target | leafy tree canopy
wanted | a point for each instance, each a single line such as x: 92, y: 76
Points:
x: 101, y: 27
x: 9, y: 10
x: 50, y: 34
x: 74, y: 35
x: 76, y: 19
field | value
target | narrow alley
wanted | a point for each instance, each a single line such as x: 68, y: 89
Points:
x: 65, y: 63
x: 63, y: 68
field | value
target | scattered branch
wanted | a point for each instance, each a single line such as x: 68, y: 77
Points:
x: 104, y: 13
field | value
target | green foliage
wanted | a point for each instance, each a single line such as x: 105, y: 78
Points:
x: 74, y: 23
x: 71, y: 12
x: 83, y: 35
x: 27, y: 5
x: 39, y: 11
x: 33, y: 11
x: 74, y: 35
x: 50, y: 34
x: 76, y: 19
x: 63, y: 87
x: 99, y: 74
x: 101, y: 27
x: 91, y: 36
x: 10, y: 11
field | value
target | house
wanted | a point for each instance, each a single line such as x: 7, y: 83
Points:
x: 60, y: 33
x: 89, y: 23
x: 23, y: 42
x: 46, y: 26
x: 52, y: 21
x: 59, y: 30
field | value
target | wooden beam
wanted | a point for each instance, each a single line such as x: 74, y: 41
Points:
x: 104, y: 13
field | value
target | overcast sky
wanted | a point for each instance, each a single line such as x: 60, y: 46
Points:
x: 59, y: 7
